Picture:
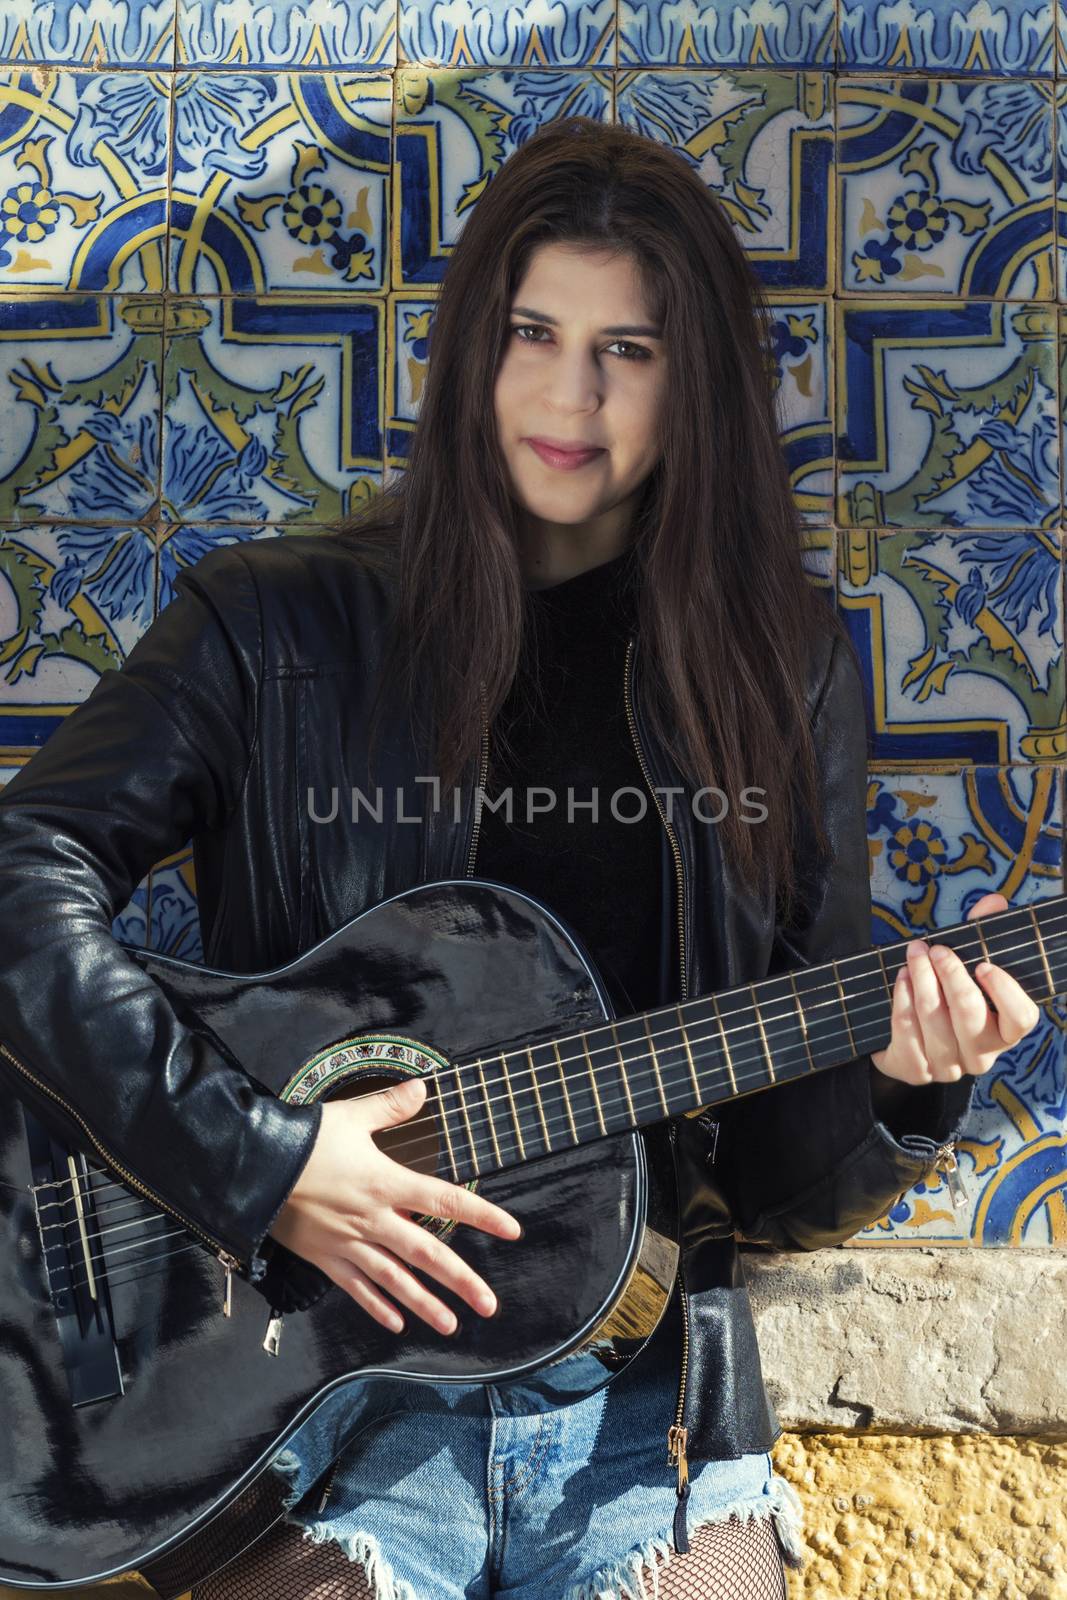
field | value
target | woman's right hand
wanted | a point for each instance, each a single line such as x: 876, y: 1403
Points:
x: 348, y: 1214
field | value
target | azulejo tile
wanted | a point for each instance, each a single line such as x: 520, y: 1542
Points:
x: 453, y: 131
x: 800, y: 345
x: 63, y: 619
x: 961, y: 639
x: 730, y: 33
x: 73, y: 33
x: 818, y: 554
x: 763, y: 143
x: 287, y: 33
x: 83, y: 164
x: 410, y: 318
x: 570, y: 33
x: 79, y: 408
x: 946, y: 414
x: 1009, y: 37
x: 280, y: 182
x: 272, y: 408
x: 949, y: 185
x: 938, y: 842
x: 174, y: 921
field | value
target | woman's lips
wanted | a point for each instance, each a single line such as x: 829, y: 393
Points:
x: 567, y: 460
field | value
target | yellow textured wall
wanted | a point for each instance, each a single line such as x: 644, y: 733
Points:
x: 968, y: 1517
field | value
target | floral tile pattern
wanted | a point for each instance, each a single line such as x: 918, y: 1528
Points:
x: 569, y: 33
x: 947, y: 414
x: 961, y: 637
x: 1013, y: 39
x: 938, y: 842
x: 948, y: 185
x: 72, y: 33
x: 287, y: 33
x: 796, y: 33
x: 271, y: 409
x: 222, y: 232
x: 280, y: 182
x: 83, y: 174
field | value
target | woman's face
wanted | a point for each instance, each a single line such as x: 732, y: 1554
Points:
x: 586, y: 366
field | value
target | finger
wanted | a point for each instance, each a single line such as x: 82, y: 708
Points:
x: 431, y: 1255
x: 911, y: 1065
x: 976, y: 1035
x: 938, y: 1037
x: 987, y: 904
x: 431, y: 1198
x: 385, y: 1107
x: 355, y: 1282
x: 392, y: 1275
x: 1017, y: 1013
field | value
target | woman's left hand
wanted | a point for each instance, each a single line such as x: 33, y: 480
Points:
x: 941, y: 1024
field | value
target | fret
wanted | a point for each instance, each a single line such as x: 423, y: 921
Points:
x: 623, y: 1078
x: 783, y: 1025
x: 725, y: 1043
x: 656, y: 1069
x: 434, y: 1086
x: 980, y: 931
x: 827, y: 1036
x: 551, y: 1092
x: 536, y: 1091
x: 566, y: 1095
x: 762, y: 1033
x: 1041, y: 948
x: 865, y: 1000
x: 802, y: 1020
x: 489, y: 1113
x: 690, y: 1063
x: 844, y: 1011
x: 645, y: 1065
x: 1009, y: 938
x: 475, y: 1167
x: 593, y: 1084
x: 1051, y: 918
x: 513, y: 1106
x: 885, y: 976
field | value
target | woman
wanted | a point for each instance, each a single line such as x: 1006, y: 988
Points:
x: 597, y: 297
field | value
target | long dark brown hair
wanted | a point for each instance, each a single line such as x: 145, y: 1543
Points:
x: 726, y: 614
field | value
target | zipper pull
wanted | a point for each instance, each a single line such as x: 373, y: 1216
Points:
x: 229, y: 1267
x: 273, y: 1336
x: 945, y: 1161
x: 677, y: 1438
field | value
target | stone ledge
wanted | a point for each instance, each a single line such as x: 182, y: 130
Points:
x: 932, y: 1339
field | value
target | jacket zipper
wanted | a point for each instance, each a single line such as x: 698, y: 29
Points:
x: 946, y: 1162
x: 677, y: 1433
x: 483, y: 774
x: 229, y: 1261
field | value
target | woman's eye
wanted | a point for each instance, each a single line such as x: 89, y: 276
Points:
x: 636, y: 352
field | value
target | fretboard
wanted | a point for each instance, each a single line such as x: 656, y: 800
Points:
x: 546, y: 1097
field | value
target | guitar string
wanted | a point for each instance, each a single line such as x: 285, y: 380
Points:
x: 430, y: 1141
x: 809, y: 1007
x: 103, y: 1257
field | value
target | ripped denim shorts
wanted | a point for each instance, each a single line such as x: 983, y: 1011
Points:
x: 450, y: 1497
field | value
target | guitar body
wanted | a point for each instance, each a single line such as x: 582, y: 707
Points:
x: 139, y: 1421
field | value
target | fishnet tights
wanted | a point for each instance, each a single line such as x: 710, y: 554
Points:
x: 729, y: 1560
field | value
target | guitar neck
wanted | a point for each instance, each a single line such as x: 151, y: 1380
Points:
x: 543, y: 1098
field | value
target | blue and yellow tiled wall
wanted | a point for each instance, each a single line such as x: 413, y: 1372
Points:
x: 222, y: 228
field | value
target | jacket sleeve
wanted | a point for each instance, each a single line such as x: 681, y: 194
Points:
x: 157, y: 752
x: 813, y: 1160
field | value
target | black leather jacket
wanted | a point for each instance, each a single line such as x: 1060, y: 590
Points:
x: 252, y: 688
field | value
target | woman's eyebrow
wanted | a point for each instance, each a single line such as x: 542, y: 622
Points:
x: 542, y: 316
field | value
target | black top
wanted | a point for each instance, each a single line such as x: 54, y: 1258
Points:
x: 603, y: 877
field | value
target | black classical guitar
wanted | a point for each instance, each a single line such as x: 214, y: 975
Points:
x: 145, y: 1394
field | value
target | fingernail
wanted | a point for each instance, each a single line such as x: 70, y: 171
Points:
x: 487, y: 1304
x: 920, y: 947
